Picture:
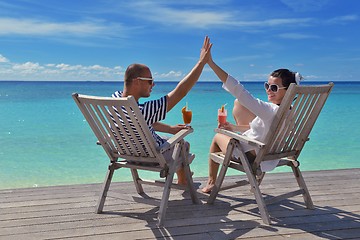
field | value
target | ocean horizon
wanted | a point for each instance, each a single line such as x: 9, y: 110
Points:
x: 45, y: 140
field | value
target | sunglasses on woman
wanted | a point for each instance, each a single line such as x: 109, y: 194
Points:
x: 273, y: 87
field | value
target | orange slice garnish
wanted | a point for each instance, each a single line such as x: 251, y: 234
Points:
x: 183, y: 109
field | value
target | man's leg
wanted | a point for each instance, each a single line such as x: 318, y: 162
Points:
x: 181, y: 172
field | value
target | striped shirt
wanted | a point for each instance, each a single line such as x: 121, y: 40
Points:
x: 153, y: 111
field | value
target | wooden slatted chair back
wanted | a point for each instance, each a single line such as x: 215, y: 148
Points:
x: 120, y: 128
x: 294, y: 121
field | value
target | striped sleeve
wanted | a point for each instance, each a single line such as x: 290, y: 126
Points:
x: 155, y: 110
x: 116, y: 94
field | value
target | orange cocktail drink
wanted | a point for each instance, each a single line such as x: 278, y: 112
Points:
x: 187, y: 115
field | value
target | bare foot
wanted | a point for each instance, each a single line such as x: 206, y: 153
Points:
x: 209, y: 186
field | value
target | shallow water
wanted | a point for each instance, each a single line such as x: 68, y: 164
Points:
x: 45, y: 140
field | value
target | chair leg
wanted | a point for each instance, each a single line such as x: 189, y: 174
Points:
x: 301, y: 182
x: 105, y: 188
x: 254, y: 187
x: 189, y: 179
x: 135, y: 176
x: 222, y: 173
x: 260, y: 178
x: 167, y: 185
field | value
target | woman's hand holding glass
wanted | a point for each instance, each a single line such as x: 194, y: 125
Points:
x: 227, y: 126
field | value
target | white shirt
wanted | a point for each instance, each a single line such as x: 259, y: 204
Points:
x: 260, y: 125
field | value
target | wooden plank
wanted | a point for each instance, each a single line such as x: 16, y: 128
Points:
x: 67, y: 211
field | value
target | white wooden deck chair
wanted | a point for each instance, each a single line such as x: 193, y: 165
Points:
x: 123, y: 133
x: 289, y: 131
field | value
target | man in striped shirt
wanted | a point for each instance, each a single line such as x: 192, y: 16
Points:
x: 138, y: 82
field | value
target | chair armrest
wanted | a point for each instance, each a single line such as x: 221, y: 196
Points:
x: 241, y: 138
x: 175, y: 139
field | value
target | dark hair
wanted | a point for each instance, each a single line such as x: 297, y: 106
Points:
x: 287, y: 76
x: 133, y: 71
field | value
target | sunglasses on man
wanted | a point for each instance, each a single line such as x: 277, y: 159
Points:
x: 150, y: 80
x: 273, y: 87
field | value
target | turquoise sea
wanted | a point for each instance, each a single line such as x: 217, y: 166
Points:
x: 44, y: 140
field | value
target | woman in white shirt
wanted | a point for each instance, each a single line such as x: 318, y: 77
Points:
x: 253, y: 116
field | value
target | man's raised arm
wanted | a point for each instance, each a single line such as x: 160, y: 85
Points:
x: 190, y: 79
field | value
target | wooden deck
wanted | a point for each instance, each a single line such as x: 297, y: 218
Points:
x: 68, y: 212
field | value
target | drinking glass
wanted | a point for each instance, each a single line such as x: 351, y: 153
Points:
x: 187, y: 115
x: 222, y: 114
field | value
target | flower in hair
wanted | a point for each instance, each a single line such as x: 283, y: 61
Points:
x: 298, y: 78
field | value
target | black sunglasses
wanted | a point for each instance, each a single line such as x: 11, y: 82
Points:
x: 273, y: 87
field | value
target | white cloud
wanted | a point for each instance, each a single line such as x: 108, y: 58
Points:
x: 34, y: 71
x: 3, y: 59
x: 67, y: 67
x: 62, y: 71
x: 297, y: 36
x: 98, y: 68
x: 286, y: 21
x: 343, y: 19
x: 170, y: 75
x: 35, y: 27
x: 28, y: 67
x: 165, y: 15
x: 193, y: 18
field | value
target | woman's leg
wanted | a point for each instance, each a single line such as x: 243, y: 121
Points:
x: 219, y: 144
x: 241, y: 114
x: 242, y: 117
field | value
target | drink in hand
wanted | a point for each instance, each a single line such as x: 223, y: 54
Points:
x: 187, y: 115
x: 222, y: 114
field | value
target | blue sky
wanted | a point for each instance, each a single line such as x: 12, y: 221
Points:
x: 96, y: 40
